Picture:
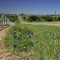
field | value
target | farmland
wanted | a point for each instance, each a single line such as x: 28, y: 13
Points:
x: 42, y: 41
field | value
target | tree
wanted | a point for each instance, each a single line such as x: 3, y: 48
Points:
x: 59, y: 18
x: 48, y: 18
x: 32, y: 18
x: 0, y: 15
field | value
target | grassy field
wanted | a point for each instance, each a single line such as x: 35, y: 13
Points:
x: 43, y: 40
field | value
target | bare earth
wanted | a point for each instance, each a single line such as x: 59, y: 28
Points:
x: 3, y: 52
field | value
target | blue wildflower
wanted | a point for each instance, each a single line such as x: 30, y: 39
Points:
x: 32, y: 33
x: 29, y: 36
x: 37, y: 41
x: 20, y: 35
x: 15, y: 45
x: 56, y: 56
x: 41, y: 57
x: 32, y: 45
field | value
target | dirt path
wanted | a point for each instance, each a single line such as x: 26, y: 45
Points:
x: 3, y: 52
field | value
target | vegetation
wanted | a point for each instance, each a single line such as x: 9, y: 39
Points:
x: 44, y: 41
x: 0, y: 15
x: 40, y: 18
x: 12, y: 17
x: 32, y: 18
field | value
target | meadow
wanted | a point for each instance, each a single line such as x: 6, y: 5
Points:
x: 43, y: 41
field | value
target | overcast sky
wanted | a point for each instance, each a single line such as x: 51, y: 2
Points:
x: 30, y: 6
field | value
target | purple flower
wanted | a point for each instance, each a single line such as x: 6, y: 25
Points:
x: 20, y: 35
x: 32, y: 45
x: 41, y: 57
x: 15, y: 45
x: 32, y: 33
x: 29, y: 36
x: 37, y: 41
x: 56, y: 56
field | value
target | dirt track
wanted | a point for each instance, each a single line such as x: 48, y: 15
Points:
x: 2, y: 47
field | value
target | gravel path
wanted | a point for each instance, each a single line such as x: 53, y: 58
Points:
x: 3, y: 52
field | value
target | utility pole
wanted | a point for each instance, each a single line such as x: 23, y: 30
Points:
x: 55, y: 15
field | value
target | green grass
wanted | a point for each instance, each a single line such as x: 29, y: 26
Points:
x: 45, y: 41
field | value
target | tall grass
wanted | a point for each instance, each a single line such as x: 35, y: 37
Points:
x: 43, y: 40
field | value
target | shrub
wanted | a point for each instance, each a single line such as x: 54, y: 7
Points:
x: 0, y: 15
x: 32, y: 18
x: 48, y: 18
x: 21, y: 14
x: 58, y: 18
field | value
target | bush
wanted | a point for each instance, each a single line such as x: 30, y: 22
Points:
x: 48, y: 18
x: 32, y: 18
x: 21, y: 14
x: 0, y: 15
x: 58, y: 18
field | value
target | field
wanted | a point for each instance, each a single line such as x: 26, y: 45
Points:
x: 31, y: 40
x: 42, y: 41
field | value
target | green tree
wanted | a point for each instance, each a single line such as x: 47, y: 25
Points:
x: 48, y: 18
x: 32, y: 18
x: 59, y: 18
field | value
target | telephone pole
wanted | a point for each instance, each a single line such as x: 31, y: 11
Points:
x: 55, y: 15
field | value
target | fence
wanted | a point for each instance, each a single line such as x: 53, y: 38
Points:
x: 5, y: 21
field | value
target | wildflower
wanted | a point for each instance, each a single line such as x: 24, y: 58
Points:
x: 29, y: 36
x: 32, y: 33
x: 20, y: 35
x: 25, y: 49
x: 15, y: 45
x: 32, y: 45
x: 41, y: 57
x: 56, y: 56
x: 37, y: 41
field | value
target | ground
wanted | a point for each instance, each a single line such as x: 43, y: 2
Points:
x: 3, y: 52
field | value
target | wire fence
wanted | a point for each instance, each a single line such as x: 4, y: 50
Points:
x: 4, y: 21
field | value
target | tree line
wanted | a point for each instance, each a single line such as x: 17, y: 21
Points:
x: 40, y: 18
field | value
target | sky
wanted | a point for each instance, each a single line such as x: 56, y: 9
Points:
x: 30, y: 6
